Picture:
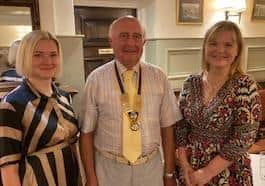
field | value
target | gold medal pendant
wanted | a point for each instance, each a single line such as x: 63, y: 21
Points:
x: 135, y: 127
x: 133, y: 117
x: 133, y: 111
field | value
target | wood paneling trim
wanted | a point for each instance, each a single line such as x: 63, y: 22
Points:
x: 32, y: 4
x: 192, y: 52
x: 255, y: 65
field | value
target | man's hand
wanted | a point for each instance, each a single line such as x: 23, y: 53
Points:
x: 170, y: 181
x: 92, y: 181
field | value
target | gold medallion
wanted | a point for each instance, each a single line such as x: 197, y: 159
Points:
x: 135, y: 126
x: 132, y: 111
x: 133, y: 117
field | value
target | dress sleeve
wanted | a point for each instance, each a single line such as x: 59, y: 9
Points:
x: 10, y: 134
x: 261, y: 131
x: 246, y: 113
x: 182, y: 127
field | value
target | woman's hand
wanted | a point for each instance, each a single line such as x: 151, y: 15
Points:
x: 200, y: 177
x: 187, y: 171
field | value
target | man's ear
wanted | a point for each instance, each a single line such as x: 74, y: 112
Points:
x: 110, y: 42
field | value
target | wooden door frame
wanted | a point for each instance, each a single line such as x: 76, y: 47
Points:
x: 34, y: 9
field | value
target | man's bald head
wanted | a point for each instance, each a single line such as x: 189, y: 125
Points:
x: 127, y: 18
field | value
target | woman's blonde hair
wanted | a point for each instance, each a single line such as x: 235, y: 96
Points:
x: 26, y: 50
x: 12, y: 53
x: 223, y: 26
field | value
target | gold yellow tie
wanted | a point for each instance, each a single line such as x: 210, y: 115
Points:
x: 131, y: 147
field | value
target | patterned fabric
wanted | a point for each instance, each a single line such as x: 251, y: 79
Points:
x: 10, y: 75
x: 261, y: 131
x: 102, y: 110
x: 34, y: 132
x: 227, y: 127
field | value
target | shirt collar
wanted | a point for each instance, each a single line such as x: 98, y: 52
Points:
x: 39, y: 94
x: 122, y: 68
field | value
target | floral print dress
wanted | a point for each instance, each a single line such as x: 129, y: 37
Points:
x: 227, y: 127
x: 261, y: 131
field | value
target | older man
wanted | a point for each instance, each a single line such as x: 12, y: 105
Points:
x: 128, y: 107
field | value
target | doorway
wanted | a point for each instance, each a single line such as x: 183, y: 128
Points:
x: 17, y: 18
x: 93, y: 23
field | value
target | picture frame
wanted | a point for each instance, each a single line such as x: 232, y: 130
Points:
x: 189, y: 11
x: 258, y: 10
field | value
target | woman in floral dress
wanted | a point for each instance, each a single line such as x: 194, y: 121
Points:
x: 221, y: 110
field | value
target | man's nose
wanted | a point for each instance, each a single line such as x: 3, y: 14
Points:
x: 131, y: 40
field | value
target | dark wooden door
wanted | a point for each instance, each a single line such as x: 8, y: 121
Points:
x: 93, y: 23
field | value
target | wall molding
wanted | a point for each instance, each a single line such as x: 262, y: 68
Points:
x: 192, y: 38
x: 181, y: 52
x: 181, y: 57
x: 258, y: 49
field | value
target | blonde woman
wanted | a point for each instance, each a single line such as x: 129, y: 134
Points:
x: 38, y: 126
x: 221, y: 109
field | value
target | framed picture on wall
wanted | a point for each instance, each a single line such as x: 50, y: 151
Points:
x: 189, y: 11
x: 258, y: 10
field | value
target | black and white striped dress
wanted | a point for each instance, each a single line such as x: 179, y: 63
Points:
x: 36, y: 132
